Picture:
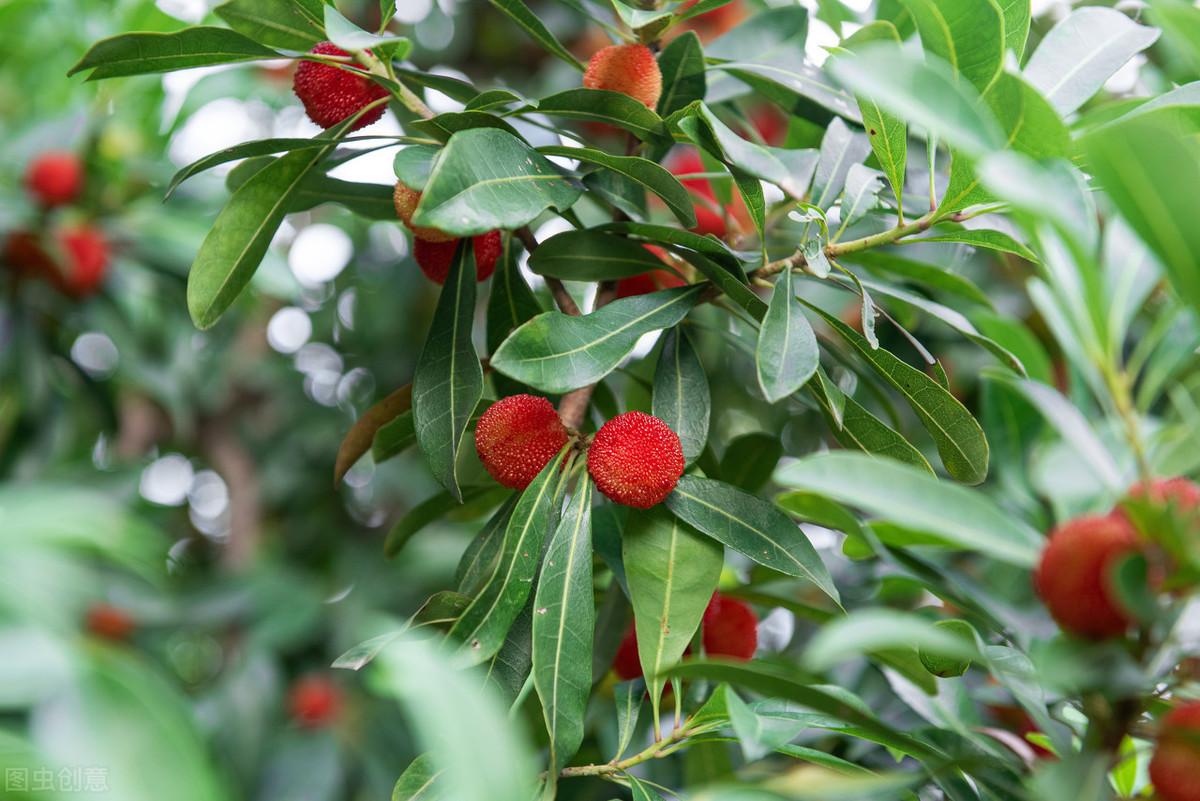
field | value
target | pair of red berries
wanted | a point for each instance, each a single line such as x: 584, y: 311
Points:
x: 729, y: 629
x: 1075, y: 576
x: 635, y: 458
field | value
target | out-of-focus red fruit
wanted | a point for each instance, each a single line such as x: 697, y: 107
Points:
x: 109, y: 622
x: 25, y: 256
x: 1075, y: 576
x: 712, y: 24
x: 54, y: 178
x: 627, y: 665
x: 1175, y: 767
x: 517, y: 437
x: 87, y: 253
x: 630, y: 69
x: 645, y: 283
x: 1180, y: 493
x: 314, y: 701
x: 1017, y: 720
x: 635, y: 459
x: 331, y: 94
x: 730, y: 628
x: 687, y: 161
x: 770, y: 123
x: 435, y: 258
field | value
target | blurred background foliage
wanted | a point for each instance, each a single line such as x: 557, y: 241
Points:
x: 178, y: 570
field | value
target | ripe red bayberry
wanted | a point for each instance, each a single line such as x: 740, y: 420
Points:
x: 314, y: 701
x: 1178, y: 492
x: 25, y: 255
x: 1177, y: 757
x: 518, y: 436
x: 646, y: 283
x: 1075, y: 576
x: 86, y: 251
x: 629, y: 69
x: 54, y: 178
x: 331, y: 94
x: 687, y: 161
x: 405, y: 198
x: 435, y: 258
x: 109, y: 622
x: 729, y: 628
x: 636, y: 459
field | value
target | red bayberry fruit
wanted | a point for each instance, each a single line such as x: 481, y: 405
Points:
x: 687, y: 161
x: 331, y: 94
x: 405, y: 198
x: 629, y: 69
x: 25, y: 255
x: 109, y: 622
x: 86, y: 252
x: 518, y: 436
x: 636, y: 459
x: 314, y: 701
x: 646, y: 283
x: 719, y: 20
x: 730, y: 628
x: 1075, y: 576
x: 1177, y: 757
x: 55, y: 178
x: 1178, y: 492
x: 627, y: 664
x: 435, y: 258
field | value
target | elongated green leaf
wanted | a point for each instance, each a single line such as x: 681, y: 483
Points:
x: 508, y: 671
x: 750, y: 525
x: 486, y: 178
x: 924, y: 93
x: 959, y: 438
x: 564, y: 619
x: 601, y: 105
x: 360, y: 436
x: 478, y: 561
x: 749, y: 461
x: 628, y: 698
x: 448, y: 381
x: 643, y: 172
x: 518, y: 12
x: 916, y: 500
x: 930, y: 276
x: 418, y: 781
x: 759, y: 161
x: 708, y: 246
x: 143, y: 53
x: 681, y: 397
x: 556, y: 353
x: 840, y: 148
x: 787, y: 354
x: 242, y: 232
x: 983, y: 238
x: 482, y: 628
x: 855, y: 427
x: 967, y: 34
x: 288, y: 24
x: 429, y: 511
x: 682, y: 66
x: 1147, y: 172
x: 589, y: 255
x: 510, y: 304
x: 871, y: 630
x: 1017, y: 17
x: 1083, y: 51
x: 348, y: 36
x: 394, y: 437
x: 1181, y: 21
x: 672, y: 571
x: 862, y: 193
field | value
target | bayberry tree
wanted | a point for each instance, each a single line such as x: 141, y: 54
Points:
x: 639, y: 502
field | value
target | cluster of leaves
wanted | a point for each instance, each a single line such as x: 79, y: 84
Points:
x: 997, y: 144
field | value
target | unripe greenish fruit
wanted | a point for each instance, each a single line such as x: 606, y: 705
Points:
x: 948, y: 667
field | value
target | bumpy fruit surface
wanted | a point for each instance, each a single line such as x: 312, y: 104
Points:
x: 518, y: 436
x: 314, y: 701
x: 636, y: 460
x: 1075, y: 576
x: 629, y: 69
x: 1175, y: 768
x: 435, y: 258
x: 645, y: 283
x: 730, y: 628
x: 86, y: 252
x: 331, y: 94
x: 1178, y: 492
x: 54, y: 179
x: 109, y: 622
x: 405, y: 198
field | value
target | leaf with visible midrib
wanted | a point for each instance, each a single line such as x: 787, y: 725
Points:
x: 362, y: 434
x: 275, y: 23
x: 959, y: 438
x: 969, y: 34
x: 862, y: 430
x: 448, y: 381
x: 751, y: 526
x: 682, y: 66
x: 643, y: 172
x: 143, y: 53
x: 681, y: 398
x: 787, y: 354
x: 564, y: 619
x: 417, y: 782
x: 589, y: 255
x: 518, y: 12
x: 556, y: 353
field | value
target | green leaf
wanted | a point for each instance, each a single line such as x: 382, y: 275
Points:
x: 916, y: 500
x: 750, y: 459
x: 967, y: 34
x: 556, y: 353
x: 416, y: 783
x: 644, y: 173
x: 471, y: 742
x: 648, y: 24
x: 855, y: 427
x: 1181, y: 21
x: 394, y: 437
x: 510, y: 304
x: 787, y: 354
x: 861, y: 195
x: 1149, y: 173
x: 478, y: 561
x: 348, y: 36
x: 588, y: 255
x: 681, y: 397
x: 483, y: 626
x: 708, y: 246
x: 628, y: 698
x: 840, y: 148
x: 518, y: 12
x: 600, y: 105
x: 682, y: 65
x: 143, y: 53
x: 448, y: 381
x: 430, y: 511
x: 865, y: 631
x: 1081, y: 52
x: 287, y: 24
x: 959, y: 438
x: 749, y: 525
x: 981, y: 238
x: 486, y: 178
x: 923, y: 93
x: 929, y: 276
x: 508, y: 671
x: 672, y: 571
x: 1017, y: 17
x: 707, y: 131
x: 564, y: 618
x: 242, y: 232
x: 364, y: 431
